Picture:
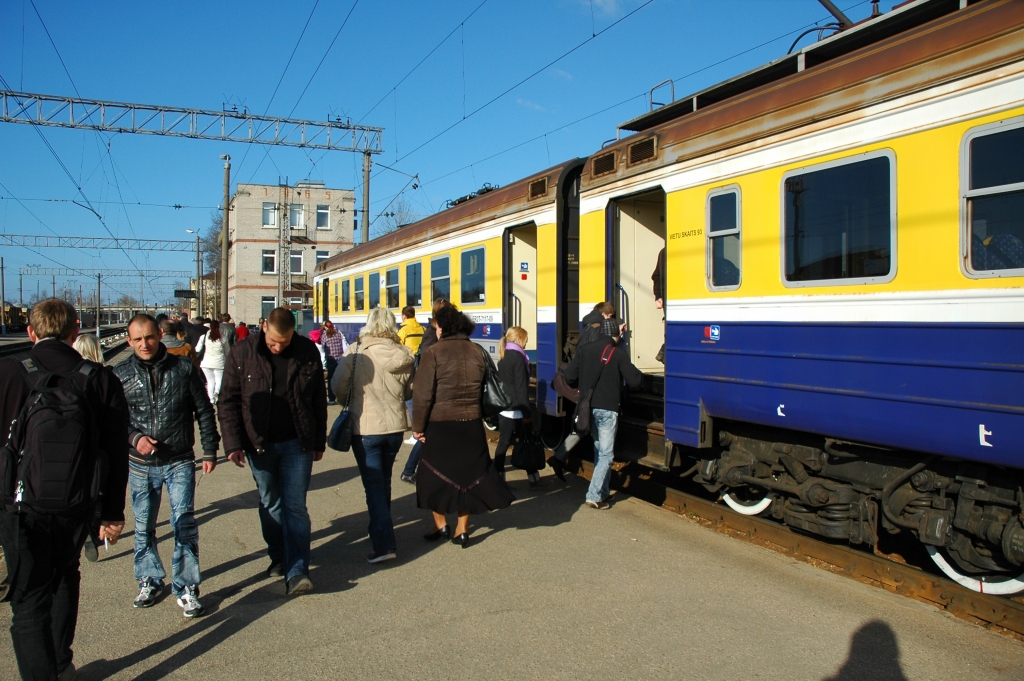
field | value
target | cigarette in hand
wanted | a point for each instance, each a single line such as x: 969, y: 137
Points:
x: 106, y: 543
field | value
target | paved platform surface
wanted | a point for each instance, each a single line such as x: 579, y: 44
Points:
x: 549, y: 589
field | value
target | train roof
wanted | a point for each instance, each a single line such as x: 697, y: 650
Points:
x: 536, y: 190
x: 920, y: 44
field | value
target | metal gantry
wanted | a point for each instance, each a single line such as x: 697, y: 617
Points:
x: 173, y: 121
x: 105, y: 243
x: 107, y: 273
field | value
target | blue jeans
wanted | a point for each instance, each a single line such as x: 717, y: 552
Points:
x: 375, y: 456
x: 282, y: 475
x: 604, y: 423
x: 414, y: 459
x: 146, y: 485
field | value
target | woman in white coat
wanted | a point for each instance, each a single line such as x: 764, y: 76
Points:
x: 214, y: 350
x: 382, y: 367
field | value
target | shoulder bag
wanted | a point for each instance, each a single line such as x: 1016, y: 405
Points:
x: 495, y: 397
x: 340, y: 437
x: 582, y: 417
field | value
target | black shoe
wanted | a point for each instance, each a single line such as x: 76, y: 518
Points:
x: 276, y: 568
x: 92, y: 553
x: 462, y: 540
x: 443, y: 533
x: 298, y: 585
x: 558, y: 467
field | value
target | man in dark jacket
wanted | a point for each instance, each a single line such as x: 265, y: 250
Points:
x: 165, y: 397
x: 43, y: 551
x: 602, y: 366
x: 273, y: 413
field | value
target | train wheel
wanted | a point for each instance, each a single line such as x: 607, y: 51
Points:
x: 997, y: 587
x: 745, y: 503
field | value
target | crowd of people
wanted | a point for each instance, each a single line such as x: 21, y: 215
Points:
x: 262, y: 397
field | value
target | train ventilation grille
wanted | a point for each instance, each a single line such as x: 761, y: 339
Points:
x: 603, y: 164
x: 642, y: 151
x: 538, y: 188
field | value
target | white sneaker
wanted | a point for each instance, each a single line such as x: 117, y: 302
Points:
x: 410, y: 441
x: 149, y: 590
x: 189, y: 602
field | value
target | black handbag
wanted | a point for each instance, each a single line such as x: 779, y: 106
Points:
x: 340, y: 437
x: 528, y: 454
x: 495, y: 397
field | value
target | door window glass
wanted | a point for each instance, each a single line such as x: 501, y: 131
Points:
x: 359, y: 293
x: 723, y: 234
x: 995, y: 201
x: 440, y: 281
x: 374, y: 286
x: 413, y: 284
x: 391, y: 285
x: 345, y: 302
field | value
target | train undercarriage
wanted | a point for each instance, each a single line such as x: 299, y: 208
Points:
x: 968, y: 516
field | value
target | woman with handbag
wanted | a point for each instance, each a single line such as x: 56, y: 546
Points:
x: 375, y: 373
x: 514, y: 370
x: 455, y: 475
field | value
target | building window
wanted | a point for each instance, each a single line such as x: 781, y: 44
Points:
x: 472, y: 282
x: 993, y: 200
x: 344, y: 296
x: 391, y: 286
x: 269, y: 261
x: 374, y: 286
x: 321, y: 256
x: 323, y: 217
x: 359, y: 293
x: 414, y: 284
x: 267, y: 303
x: 840, y: 221
x: 723, y: 239
x: 440, y: 282
x: 295, y: 216
x: 296, y: 262
x: 269, y: 214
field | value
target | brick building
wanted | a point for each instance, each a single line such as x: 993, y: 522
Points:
x: 274, y: 225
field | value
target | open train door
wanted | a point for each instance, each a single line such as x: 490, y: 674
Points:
x: 521, y: 285
x: 636, y: 238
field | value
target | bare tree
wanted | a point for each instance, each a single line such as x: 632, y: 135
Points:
x: 210, y: 242
x: 398, y: 214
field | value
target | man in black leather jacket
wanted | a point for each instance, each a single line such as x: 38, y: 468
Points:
x: 165, y: 398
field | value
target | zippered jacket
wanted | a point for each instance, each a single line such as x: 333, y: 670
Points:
x: 165, y: 399
x: 247, y: 390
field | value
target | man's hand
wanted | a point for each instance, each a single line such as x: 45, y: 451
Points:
x: 659, y: 303
x: 317, y: 456
x: 420, y: 436
x: 208, y: 467
x: 237, y: 458
x: 111, y: 530
x: 146, y: 445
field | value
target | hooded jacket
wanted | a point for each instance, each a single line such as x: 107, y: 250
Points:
x: 383, y: 372
x: 165, y: 399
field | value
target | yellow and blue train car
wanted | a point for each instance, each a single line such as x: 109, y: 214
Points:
x: 843, y: 235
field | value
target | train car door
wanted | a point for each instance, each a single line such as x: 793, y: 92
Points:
x: 325, y: 309
x: 521, y: 284
x: 637, y: 237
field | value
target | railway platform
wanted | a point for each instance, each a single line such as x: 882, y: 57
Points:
x: 549, y: 589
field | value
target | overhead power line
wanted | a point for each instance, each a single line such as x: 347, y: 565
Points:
x: 101, y: 243
x: 77, y: 272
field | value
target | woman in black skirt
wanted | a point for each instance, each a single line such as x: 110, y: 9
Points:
x: 455, y: 474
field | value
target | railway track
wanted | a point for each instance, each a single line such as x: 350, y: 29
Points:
x: 111, y: 337
x: 997, y: 613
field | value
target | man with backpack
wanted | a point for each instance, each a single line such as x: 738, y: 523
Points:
x: 65, y: 463
x: 599, y: 368
x: 166, y: 397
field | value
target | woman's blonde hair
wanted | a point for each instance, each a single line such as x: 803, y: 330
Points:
x: 380, y: 324
x: 514, y: 334
x: 89, y: 348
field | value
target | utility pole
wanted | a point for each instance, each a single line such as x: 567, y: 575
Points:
x: 367, y: 165
x: 99, y: 305
x: 3, y: 299
x: 54, y: 286
x: 224, y: 236
x: 284, y: 276
x: 21, y: 290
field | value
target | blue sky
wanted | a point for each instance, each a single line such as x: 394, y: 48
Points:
x: 206, y: 55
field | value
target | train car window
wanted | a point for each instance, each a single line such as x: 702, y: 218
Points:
x: 269, y: 214
x: 335, y: 296
x: 359, y: 293
x: 414, y: 284
x: 374, y: 289
x: 269, y: 261
x: 345, y: 301
x: 440, y: 281
x: 722, y: 215
x: 993, y: 200
x: 840, y: 220
x: 473, y: 282
x: 391, y: 286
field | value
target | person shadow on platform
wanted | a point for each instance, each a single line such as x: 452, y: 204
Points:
x: 874, y: 654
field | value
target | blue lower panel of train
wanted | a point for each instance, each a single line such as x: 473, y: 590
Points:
x: 951, y: 389
x: 547, y: 364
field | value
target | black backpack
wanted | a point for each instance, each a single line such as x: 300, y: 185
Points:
x: 52, y: 462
